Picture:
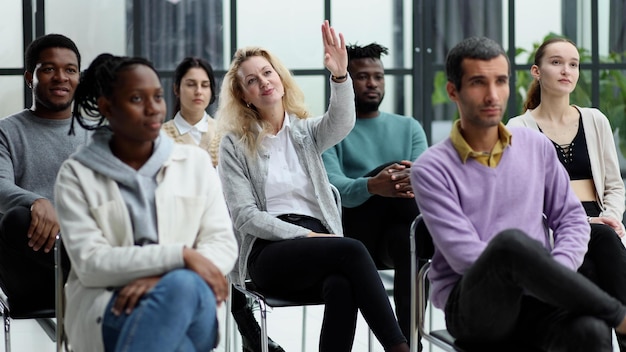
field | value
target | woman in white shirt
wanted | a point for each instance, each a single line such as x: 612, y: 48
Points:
x: 194, y: 87
x: 282, y: 204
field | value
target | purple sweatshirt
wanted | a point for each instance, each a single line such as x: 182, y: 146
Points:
x: 466, y: 205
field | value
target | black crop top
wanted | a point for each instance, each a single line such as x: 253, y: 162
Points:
x: 575, y: 155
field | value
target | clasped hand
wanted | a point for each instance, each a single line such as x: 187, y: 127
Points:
x: 392, y: 181
x: 129, y: 295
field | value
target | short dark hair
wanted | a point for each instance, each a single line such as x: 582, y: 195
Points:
x: 33, y: 51
x: 480, y: 48
x: 370, y: 51
x: 98, y: 80
x: 187, y: 64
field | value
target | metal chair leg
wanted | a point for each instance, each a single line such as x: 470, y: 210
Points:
x: 228, y: 327
x: 264, y: 339
x: 7, y: 330
x: 303, y: 348
x: 414, y: 306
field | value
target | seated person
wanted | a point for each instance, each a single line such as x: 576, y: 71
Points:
x: 484, y: 192
x: 194, y: 87
x: 149, y: 250
x: 282, y: 204
x: 584, y: 142
x: 370, y: 168
x: 33, y: 144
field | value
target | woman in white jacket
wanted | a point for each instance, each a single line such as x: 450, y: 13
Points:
x: 149, y: 250
x: 583, y: 140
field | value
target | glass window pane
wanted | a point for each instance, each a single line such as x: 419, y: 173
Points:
x: 612, y: 30
x: 11, y: 95
x: 167, y: 31
x: 314, y: 88
x: 531, y: 26
x: 12, y: 53
x: 95, y: 26
x: 291, y: 30
x: 398, y: 95
x: 613, y: 105
x: 393, y: 28
x: 450, y: 22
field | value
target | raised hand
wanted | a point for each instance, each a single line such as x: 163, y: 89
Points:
x: 335, y: 54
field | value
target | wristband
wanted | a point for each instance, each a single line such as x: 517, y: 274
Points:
x: 339, y: 78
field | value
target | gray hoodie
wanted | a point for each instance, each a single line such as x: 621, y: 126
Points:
x: 136, y: 186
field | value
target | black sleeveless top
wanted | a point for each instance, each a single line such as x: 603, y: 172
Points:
x: 575, y: 155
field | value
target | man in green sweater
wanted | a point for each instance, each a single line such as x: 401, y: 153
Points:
x: 33, y: 144
x: 370, y: 167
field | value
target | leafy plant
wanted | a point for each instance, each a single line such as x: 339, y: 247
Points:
x: 612, y: 88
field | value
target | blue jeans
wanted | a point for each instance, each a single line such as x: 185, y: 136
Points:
x: 178, y: 314
x: 517, y: 292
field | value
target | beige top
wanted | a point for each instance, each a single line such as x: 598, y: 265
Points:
x: 208, y: 142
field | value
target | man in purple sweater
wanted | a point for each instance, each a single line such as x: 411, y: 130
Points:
x: 483, y: 193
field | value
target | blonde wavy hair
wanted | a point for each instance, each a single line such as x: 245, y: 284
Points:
x: 234, y: 116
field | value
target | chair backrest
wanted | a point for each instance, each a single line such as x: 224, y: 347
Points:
x: 423, y: 241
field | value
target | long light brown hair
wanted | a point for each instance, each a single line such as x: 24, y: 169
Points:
x: 236, y: 117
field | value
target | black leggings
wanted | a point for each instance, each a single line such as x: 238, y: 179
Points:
x: 383, y: 224
x: 337, y: 270
x: 605, y: 261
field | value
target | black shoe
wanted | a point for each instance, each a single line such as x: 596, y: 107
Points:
x: 251, y: 332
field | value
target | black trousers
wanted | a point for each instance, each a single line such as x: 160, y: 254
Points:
x: 26, y: 276
x: 383, y: 225
x: 337, y: 270
x: 517, y: 292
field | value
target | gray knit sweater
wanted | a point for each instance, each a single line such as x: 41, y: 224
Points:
x: 244, y: 176
x: 31, y: 152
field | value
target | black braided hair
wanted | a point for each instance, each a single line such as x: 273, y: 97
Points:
x: 370, y: 51
x: 99, y: 80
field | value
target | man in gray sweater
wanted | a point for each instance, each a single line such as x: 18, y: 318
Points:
x: 33, y: 144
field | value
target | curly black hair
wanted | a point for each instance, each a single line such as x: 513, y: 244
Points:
x: 370, y: 51
x: 34, y: 49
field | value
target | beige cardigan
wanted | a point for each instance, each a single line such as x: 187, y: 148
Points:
x: 208, y: 142
x: 98, y: 237
x: 605, y: 168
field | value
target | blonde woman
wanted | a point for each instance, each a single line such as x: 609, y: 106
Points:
x: 281, y: 202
